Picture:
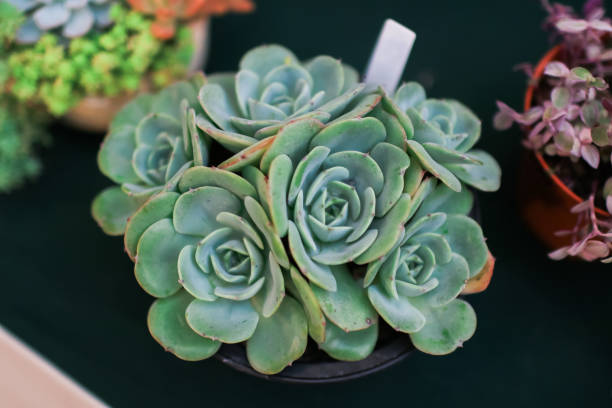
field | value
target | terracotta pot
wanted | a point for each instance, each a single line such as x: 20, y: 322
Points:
x: 94, y: 113
x: 545, y: 200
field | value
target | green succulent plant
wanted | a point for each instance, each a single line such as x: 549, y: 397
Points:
x: 152, y: 141
x: 209, y: 254
x: 414, y: 287
x: 352, y: 202
x: 441, y: 134
x: 271, y: 88
x: 346, y: 193
x: 70, y: 18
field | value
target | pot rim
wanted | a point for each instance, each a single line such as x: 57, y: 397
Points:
x: 398, y: 349
x: 537, y: 74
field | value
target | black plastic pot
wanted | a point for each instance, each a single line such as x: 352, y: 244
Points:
x: 316, y: 367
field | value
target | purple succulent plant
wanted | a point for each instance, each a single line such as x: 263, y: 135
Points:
x: 571, y: 119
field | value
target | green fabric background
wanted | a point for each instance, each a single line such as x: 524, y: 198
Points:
x: 544, y: 330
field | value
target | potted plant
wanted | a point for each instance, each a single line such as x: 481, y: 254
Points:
x: 327, y: 211
x: 21, y: 129
x: 567, y: 190
x: 84, y: 61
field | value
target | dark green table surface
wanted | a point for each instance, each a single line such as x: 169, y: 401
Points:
x: 544, y: 328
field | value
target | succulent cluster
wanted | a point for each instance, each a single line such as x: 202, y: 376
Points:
x: 168, y: 12
x: 152, y: 141
x: 57, y: 75
x: 571, y: 120
x: 67, y: 18
x: 337, y: 206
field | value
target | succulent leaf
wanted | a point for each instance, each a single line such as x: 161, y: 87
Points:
x: 210, y: 176
x: 302, y: 291
x: 446, y: 328
x: 348, y: 306
x: 292, y: 140
x: 158, y: 207
x: 485, y: 176
x: 349, y: 346
x: 112, y: 208
x: 443, y: 199
x: 195, y: 212
x: 115, y: 155
x: 280, y: 339
x: 156, y: 264
x: 398, y: 313
x: 452, y: 277
x: 221, y: 319
x: 465, y: 237
x: 273, y: 292
x: 167, y: 324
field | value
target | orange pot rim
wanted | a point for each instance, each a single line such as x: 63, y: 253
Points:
x: 537, y: 74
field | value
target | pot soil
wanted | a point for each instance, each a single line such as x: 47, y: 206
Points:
x: 545, y: 199
x: 95, y: 113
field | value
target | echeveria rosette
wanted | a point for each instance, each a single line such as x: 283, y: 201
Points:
x: 441, y: 134
x: 414, y: 287
x: 208, y: 252
x: 151, y: 142
x: 338, y: 192
x: 271, y: 88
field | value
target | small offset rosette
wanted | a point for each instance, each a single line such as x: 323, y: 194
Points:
x: 209, y: 252
x: 414, y: 287
x: 271, y: 88
x: 441, y: 134
x: 151, y: 143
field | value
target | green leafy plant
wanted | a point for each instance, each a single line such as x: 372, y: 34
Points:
x: 21, y: 131
x: 58, y: 74
x: 321, y: 222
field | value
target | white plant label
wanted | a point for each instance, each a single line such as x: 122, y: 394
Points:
x: 390, y: 55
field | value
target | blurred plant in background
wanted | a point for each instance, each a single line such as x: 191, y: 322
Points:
x: 20, y: 128
x: 20, y: 132
x: 167, y: 12
x: 570, y: 121
x: 57, y: 74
